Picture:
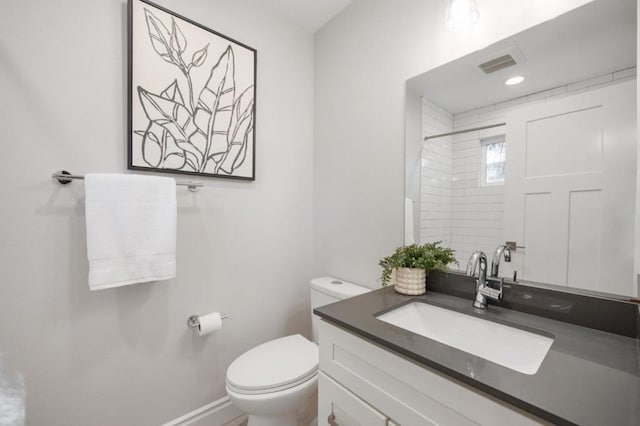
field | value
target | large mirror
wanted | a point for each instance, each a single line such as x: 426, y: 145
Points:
x: 546, y: 166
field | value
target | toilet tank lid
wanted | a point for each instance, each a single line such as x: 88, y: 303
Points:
x: 337, y: 288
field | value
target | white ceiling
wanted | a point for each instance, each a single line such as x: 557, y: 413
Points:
x: 593, y: 40
x: 310, y: 14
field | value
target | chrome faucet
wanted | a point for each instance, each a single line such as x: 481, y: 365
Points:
x: 501, y: 251
x: 472, y: 264
x: 478, y: 260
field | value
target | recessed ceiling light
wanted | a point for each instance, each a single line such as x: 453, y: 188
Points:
x: 514, y: 80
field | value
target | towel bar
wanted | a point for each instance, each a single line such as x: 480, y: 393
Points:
x: 63, y: 177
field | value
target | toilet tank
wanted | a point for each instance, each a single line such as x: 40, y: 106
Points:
x: 325, y: 290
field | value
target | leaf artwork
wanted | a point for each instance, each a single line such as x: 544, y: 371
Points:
x: 199, y: 130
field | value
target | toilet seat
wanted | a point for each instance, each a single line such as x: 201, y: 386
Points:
x: 274, y: 366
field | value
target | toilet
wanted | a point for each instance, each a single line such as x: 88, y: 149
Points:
x: 276, y: 381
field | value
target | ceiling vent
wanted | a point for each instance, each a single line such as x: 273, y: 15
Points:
x: 497, y: 64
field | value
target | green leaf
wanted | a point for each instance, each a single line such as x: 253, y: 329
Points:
x: 429, y: 256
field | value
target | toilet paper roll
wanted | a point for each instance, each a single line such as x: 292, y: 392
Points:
x: 209, y: 323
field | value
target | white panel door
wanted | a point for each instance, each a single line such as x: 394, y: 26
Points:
x: 570, y: 189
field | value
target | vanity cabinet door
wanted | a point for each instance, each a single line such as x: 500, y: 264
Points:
x: 337, y: 406
x: 410, y: 394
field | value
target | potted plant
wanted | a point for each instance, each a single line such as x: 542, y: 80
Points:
x: 412, y: 264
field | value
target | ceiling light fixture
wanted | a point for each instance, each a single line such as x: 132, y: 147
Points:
x: 514, y: 80
x: 461, y: 15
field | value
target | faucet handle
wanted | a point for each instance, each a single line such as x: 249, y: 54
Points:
x: 493, y: 293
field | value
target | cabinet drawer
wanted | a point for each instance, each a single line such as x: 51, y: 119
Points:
x: 344, y: 408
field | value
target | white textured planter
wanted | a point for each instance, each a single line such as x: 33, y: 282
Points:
x: 411, y: 281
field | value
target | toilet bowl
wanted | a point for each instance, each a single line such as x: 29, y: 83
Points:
x: 276, y: 381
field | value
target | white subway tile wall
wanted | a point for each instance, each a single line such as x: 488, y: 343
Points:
x: 437, y: 177
x: 476, y: 210
x: 455, y: 207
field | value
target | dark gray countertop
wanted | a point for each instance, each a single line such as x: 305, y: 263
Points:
x: 589, y: 377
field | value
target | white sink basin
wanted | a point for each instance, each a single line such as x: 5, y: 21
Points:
x: 510, y: 347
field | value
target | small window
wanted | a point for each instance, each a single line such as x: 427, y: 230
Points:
x: 493, y: 161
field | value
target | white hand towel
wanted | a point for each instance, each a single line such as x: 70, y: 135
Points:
x: 131, y: 229
x: 408, y: 222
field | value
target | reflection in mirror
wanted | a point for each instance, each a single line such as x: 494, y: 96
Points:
x: 547, y: 166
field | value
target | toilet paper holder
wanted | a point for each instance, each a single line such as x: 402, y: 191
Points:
x: 194, y: 320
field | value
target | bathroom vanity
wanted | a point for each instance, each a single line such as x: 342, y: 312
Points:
x: 376, y: 373
x: 547, y: 168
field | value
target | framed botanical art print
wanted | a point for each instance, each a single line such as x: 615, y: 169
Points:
x: 192, y: 94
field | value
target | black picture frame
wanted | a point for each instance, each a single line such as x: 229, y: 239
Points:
x: 191, y: 97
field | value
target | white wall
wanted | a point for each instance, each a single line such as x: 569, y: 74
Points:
x: 437, y: 174
x: 125, y: 356
x: 362, y: 59
x: 477, y: 211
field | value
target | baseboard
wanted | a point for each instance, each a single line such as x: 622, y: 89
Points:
x: 216, y: 413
